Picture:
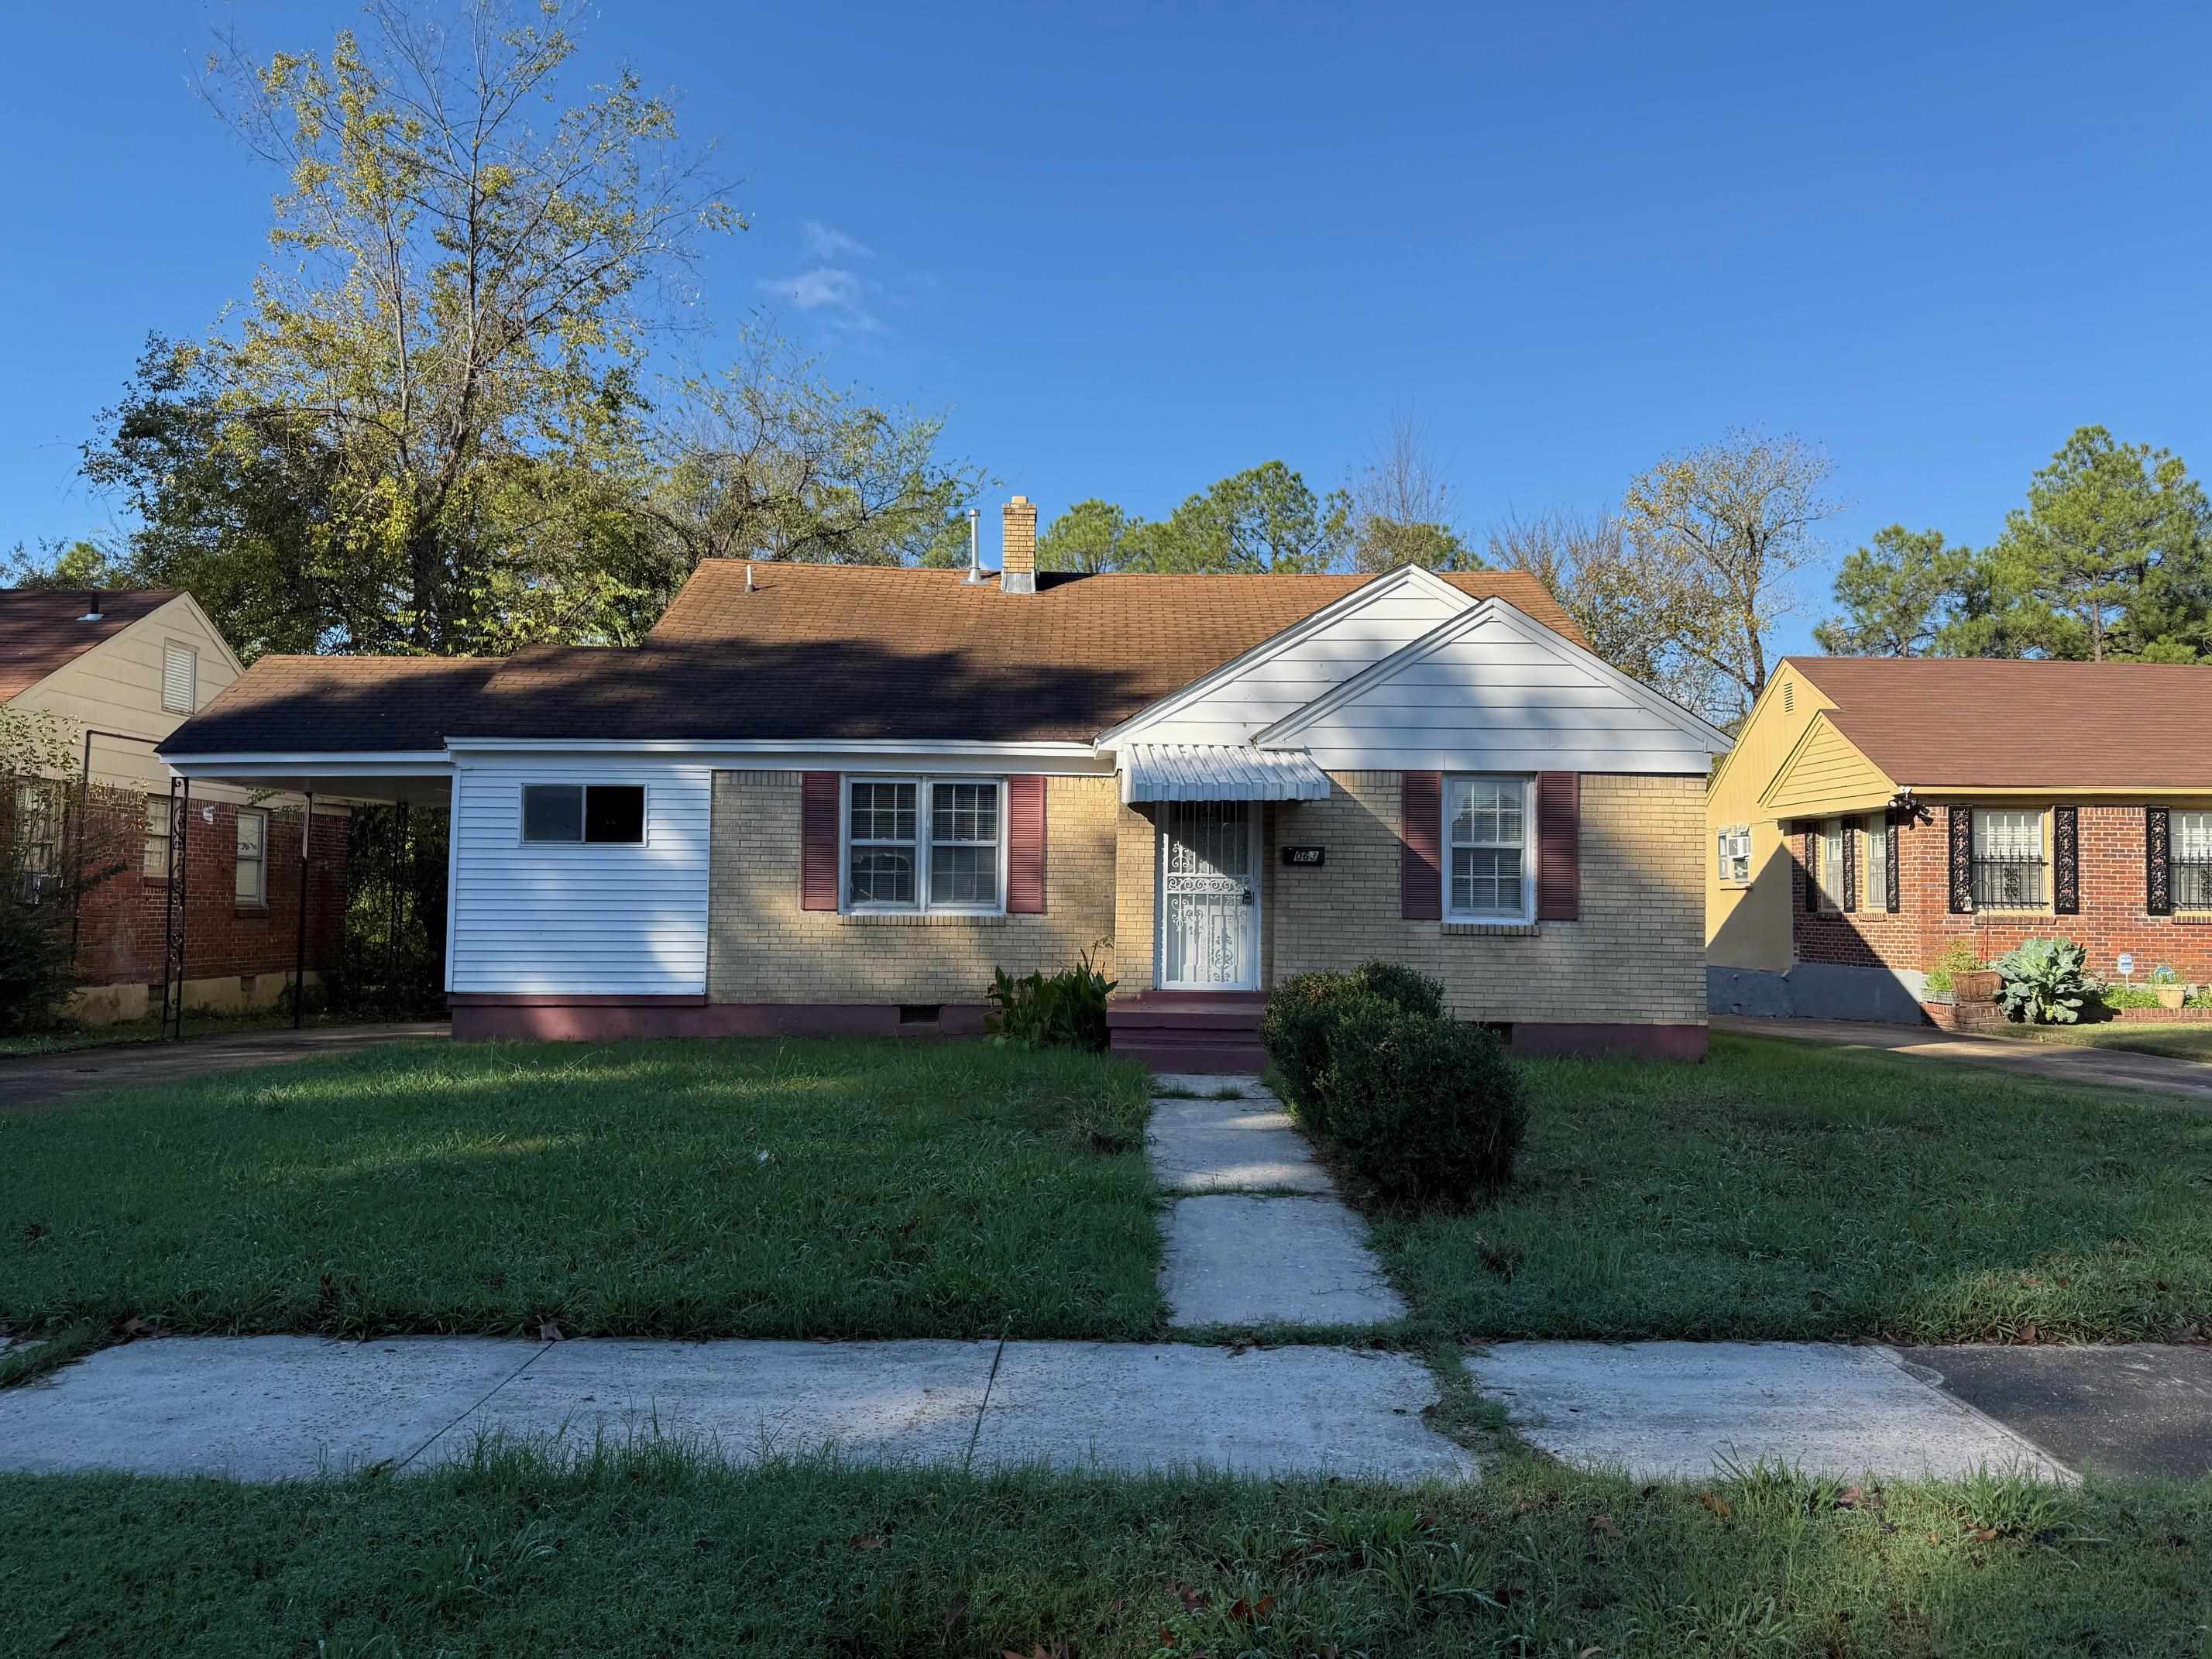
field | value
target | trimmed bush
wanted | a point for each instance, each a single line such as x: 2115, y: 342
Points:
x: 1303, y: 1009
x: 1424, y: 1107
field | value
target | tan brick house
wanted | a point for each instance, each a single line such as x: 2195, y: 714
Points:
x: 1876, y: 810
x: 822, y: 798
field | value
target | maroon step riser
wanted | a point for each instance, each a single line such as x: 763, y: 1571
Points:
x: 1155, y: 1020
x: 1212, y: 1058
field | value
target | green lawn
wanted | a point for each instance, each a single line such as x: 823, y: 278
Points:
x: 644, y: 1552
x: 2179, y: 1040
x: 742, y: 1188
x: 1786, y: 1190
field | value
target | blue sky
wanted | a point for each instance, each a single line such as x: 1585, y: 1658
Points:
x: 1129, y: 248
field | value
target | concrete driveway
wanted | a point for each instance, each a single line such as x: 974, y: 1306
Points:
x: 54, y: 1079
x: 2082, y: 1067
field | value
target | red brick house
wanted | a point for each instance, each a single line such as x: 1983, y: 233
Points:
x: 1877, y: 810
x: 113, y: 674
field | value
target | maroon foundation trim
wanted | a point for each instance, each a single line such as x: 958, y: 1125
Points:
x: 1546, y: 1039
x: 479, y: 1018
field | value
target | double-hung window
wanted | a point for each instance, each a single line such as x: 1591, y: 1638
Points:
x: 925, y: 844
x: 157, y: 837
x: 2192, y: 860
x: 253, y: 881
x: 1831, y: 863
x: 2008, y: 860
x: 1874, y: 868
x: 1488, y: 870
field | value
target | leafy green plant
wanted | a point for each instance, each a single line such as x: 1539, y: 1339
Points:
x: 1957, y: 958
x: 2164, y: 975
x: 1424, y: 1107
x: 1066, y: 1010
x: 2125, y: 996
x: 2044, y: 982
x: 2199, y: 997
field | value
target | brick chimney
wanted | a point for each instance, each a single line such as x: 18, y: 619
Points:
x: 1018, y: 551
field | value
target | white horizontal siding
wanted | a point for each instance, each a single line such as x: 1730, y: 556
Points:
x: 1287, y: 680
x: 1494, y: 700
x: 589, y: 920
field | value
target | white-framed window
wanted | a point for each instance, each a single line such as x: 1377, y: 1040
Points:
x: 2192, y: 860
x: 2009, y: 867
x: 252, y: 886
x: 925, y: 844
x: 1488, y: 874
x: 1832, y: 865
x: 583, y: 814
x: 157, y: 836
x: 1874, y: 868
x: 180, y: 678
x: 1732, y: 855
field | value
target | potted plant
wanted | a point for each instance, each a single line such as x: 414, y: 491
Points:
x: 2166, y: 985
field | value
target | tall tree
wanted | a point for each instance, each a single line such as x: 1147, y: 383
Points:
x: 1090, y: 536
x: 1402, y: 507
x: 441, y: 367
x: 1723, y: 529
x: 1263, y: 519
x: 1623, y: 599
x: 1899, y: 596
x: 2112, y: 556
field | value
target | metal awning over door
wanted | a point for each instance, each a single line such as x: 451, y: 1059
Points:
x: 1218, y: 771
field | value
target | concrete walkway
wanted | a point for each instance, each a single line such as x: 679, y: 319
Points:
x: 276, y: 1408
x: 2056, y: 1062
x: 1259, y: 1237
x: 52, y: 1079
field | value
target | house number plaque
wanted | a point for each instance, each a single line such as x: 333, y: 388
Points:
x: 1308, y: 856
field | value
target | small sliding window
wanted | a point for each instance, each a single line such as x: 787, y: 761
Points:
x: 598, y: 814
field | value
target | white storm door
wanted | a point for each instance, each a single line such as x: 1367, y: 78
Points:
x: 1209, y: 896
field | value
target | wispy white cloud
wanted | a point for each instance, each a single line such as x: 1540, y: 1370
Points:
x: 840, y: 295
x: 829, y: 244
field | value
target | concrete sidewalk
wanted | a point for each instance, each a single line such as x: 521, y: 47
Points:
x: 279, y: 1407
x: 2054, y: 1062
x: 52, y: 1079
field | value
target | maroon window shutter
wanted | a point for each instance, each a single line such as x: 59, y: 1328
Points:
x: 818, y: 806
x: 1025, y: 846
x: 1420, y: 826
x: 1559, y: 845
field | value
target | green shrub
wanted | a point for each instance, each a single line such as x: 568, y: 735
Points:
x: 2045, y: 984
x: 2125, y: 996
x: 1423, y: 1107
x: 1957, y: 958
x: 1066, y: 1011
x: 2199, y: 997
x: 1302, y: 1010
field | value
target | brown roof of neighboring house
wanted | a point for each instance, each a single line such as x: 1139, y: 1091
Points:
x: 1967, y: 723
x: 830, y: 652
x: 41, y: 630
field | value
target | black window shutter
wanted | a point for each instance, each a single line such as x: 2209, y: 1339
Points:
x: 1849, y: 832
x: 2066, y: 861
x: 1811, y: 872
x: 1962, y: 861
x: 1889, y: 864
x: 2158, y: 861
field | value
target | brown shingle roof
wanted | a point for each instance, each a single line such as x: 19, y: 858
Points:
x: 817, y: 651
x: 1967, y: 723
x: 41, y: 631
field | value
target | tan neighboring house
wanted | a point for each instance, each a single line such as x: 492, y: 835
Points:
x: 835, y: 798
x: 1879, y: 813
x: 128, y: 669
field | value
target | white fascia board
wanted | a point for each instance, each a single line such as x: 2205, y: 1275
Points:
x: 1070, y: 750
x: 1493, y: 608
x: 363, y: 763
x: 1274, y: 645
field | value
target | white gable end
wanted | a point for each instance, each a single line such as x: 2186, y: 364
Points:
x: 1495, y: 690
x: 1285, y: 674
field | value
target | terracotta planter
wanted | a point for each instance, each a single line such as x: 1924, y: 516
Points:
x: 1981, y: 985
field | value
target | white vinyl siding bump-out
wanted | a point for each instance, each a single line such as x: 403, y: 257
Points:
x: 1499, y: 692
x: 580, y: 918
